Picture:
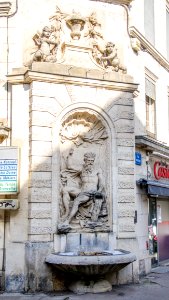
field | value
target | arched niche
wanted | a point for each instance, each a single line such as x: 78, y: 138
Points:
x: 79, y: 133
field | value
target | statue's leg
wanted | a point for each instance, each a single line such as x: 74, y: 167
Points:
x: 79, y: 200
x: 66, y: 201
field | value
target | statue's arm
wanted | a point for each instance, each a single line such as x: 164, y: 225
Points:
x: 100, y: 181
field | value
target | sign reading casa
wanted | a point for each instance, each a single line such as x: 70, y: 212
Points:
x: 161, y: 170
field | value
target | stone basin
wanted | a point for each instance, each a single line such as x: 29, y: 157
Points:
x: 91, y: 263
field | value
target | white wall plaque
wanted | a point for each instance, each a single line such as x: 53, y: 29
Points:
x: 9, y: 170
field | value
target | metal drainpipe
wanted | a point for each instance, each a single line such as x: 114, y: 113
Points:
x: 7, y: 99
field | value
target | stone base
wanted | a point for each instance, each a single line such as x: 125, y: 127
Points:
x: 83, y: 287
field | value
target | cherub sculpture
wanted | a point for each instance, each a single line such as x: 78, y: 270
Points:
x: 110, y: 59
x: 46, y: 46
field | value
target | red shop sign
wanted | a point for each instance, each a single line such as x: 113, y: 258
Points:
x: 161, y: 170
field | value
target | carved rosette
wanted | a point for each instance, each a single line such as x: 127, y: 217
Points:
x: 84, y: 169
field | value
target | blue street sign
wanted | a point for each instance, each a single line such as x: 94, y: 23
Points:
x: 138, y: 158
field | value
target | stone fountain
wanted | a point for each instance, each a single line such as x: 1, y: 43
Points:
x: 91, y: 267
x: 85, y: 206
x: 85, y: 163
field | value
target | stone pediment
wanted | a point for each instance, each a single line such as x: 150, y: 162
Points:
x: 76, y: 40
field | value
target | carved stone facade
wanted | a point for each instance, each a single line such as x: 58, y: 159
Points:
x: 85, y: 34
x: 72, y: 75
x: 83, y: 142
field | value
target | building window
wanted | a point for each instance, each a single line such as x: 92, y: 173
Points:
x: 167, y: 32
x: 150, y: 108
x: 149, y: 21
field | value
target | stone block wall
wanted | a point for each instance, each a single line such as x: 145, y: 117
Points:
x: 47, y: 100
x: 42, y: 96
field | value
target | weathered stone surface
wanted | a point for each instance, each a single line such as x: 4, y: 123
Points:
x: 15, y: 282
x: 88, y: 241
x: 41, y: 118
x: 40, y: 237
x: 126, y: 170
x: 40, y: 211
x: 127, y: 2
x: 125, y: 163
x: 102, y: 240
x: 126, y: 185
x: 38, y: 133
x: 125, y: 142
x: 126, y: 154
x: 54, y: 68
x: 126, y: 196
x: 124, y: 101
x: 114, y: 76
x: 100, y: 264
x: 126, y: 224
x: 126, y: 210
x: 40, y: 194
x: 63, y: 239
x: 40, y: 163
x: 40, y: 90
x: 72, y: 242
x: 80, y: 93
x: 40, y: 179
x: 112, y: 241
x: 124, y: 127
x: 122, y: 115
x: 125, y: 135
x: 47, y: 104
x: 122, y: 111
x: 39, y: 275
x: 80, y: 287
x: 126, y: 235
x: 79, y: 72
x: 95, y: 74
x: 41, y: 148
x: 15, y: 268
x: 39, y: 226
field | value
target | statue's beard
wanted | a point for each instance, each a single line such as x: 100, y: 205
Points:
x: 88, y: 168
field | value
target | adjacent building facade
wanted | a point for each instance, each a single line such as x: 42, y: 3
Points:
x: 84, y: 133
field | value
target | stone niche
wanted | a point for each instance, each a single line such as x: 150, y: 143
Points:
x: 73, y: 121
x: 85, y: 160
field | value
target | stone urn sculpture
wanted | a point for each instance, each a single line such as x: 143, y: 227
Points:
x: 76, y: 23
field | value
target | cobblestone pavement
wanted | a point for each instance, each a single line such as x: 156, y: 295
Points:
x: 151, y: 287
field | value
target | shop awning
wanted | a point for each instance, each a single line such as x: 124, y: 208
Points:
x: 154, y: 188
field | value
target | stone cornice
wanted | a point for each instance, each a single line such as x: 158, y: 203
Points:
x: 72, y: 75
x: 5, y: 8
x: 120, y: 2
x: 146, y: 46
x: 151, y: 145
